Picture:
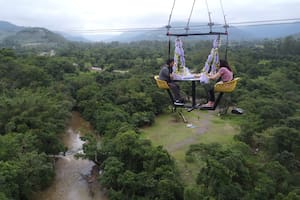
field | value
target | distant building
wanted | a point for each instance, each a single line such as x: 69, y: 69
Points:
x: 50, y: 53
x: 96, y: 68
x: 259, y: 46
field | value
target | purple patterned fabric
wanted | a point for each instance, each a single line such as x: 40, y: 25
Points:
x: 179, y: 52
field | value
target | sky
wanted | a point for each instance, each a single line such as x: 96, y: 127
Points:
x: 94, y: 16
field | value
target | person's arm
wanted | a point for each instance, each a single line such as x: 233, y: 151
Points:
x: 215, y: 76
x: 172, y: 76
x: 164, y: 74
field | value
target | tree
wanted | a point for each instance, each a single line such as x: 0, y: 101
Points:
x: 272, y: 179
x: 285, y: 139
x: 112, y: 169
x: 226, y: 174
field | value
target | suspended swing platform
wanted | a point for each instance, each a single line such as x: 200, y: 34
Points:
x: 220, y: 87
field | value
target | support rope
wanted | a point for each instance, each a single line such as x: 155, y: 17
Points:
x: 189, y: 19
x: 225, y: 26
x: 224, y: 16
x: 170, y: 16
x: 168, y: 29
x: 210, y: 24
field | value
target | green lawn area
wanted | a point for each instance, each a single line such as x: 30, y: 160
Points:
x: 176, y: 136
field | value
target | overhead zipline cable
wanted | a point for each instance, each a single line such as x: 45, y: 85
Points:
x: 137, y: 29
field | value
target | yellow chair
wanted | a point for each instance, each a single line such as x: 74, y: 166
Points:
x: 226, y: 86
x: 161, y: 83
x: 164, y: 85
x: 221, y: 88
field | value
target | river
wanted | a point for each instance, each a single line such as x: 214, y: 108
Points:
x: 73, y: 180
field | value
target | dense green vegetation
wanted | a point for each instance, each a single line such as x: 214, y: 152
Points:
x: 38, y: 94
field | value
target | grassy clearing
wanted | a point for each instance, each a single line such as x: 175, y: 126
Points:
x: 170, y: 132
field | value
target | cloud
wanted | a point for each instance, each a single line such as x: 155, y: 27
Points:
x: 81, y: 15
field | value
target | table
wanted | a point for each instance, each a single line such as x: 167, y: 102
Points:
x: 192, y: 79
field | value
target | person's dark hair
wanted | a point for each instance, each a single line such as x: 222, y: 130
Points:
x: 224, y: 63
x: 169, y: 61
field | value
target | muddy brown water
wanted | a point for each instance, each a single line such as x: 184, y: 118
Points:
x: 73, y: 180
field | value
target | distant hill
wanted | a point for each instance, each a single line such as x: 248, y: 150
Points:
x: 19, y: 36
x: 72, y: 37
x: 296, y: 36
x: 244, y: 33
x: 6, y: 26
x: 7, y: 29
x: 271, y: 31
x: 12, y: 35
x: 31, y: 37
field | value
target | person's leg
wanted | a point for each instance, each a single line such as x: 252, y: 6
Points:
x: 211, y: 98
x: 175, y: 90
x: 211, y: 95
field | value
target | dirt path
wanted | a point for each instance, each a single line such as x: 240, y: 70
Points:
x: 176, y: 137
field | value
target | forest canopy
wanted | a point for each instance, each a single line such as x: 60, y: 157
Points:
x: 38, y: 94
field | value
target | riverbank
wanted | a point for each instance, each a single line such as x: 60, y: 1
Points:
x: 76, y: 179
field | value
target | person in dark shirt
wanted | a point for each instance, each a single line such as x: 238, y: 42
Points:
x: 166, y: 75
